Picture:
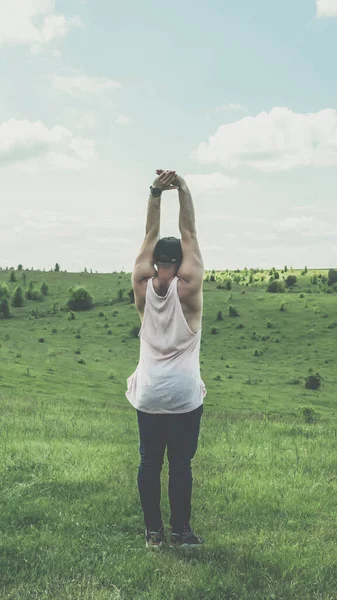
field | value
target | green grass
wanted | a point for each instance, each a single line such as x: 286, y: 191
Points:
x: 264, y: 476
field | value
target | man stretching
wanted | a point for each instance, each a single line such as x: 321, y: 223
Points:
x: 166, y: 388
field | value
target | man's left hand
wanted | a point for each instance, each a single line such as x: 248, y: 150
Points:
x: 165, y: 179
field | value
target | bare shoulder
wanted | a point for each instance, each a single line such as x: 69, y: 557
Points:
x: 191, y: 294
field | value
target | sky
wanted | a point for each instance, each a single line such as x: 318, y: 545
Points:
x: 239, y: 97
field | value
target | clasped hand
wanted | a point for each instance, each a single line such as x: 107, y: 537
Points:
x: 167, y: 180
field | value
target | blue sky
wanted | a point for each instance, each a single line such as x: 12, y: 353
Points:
x: 238, y: 97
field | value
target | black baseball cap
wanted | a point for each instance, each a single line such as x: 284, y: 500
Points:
x: 168, y: 250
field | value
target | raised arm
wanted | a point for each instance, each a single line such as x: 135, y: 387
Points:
x: 192, y: 266
x: 186, y: 213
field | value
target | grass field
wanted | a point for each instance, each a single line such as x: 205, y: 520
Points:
x: 264, y: 476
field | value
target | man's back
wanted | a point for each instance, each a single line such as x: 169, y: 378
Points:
x: 167, y: 378
x: 191, y: 300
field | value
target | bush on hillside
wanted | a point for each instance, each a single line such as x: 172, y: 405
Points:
x: 313, y: 382
x: 232, y: 311
x: 32, y: 294
x: 227, y: 284
x: 310, y: 414
x: 135, y: 331
x: 44, y: 288
x: 275, y: 286
x: 4, y: 291
x: 332, y: 276
x: 80, y: 299
x: 17, y: 297
x: 4, y: 308
x: 12, y: 277
x: 291, y: 280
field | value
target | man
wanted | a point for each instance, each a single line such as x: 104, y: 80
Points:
x: 166, y: 389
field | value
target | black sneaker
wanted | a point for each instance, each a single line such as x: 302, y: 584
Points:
x: 186, y: 539
x: 155, y: 538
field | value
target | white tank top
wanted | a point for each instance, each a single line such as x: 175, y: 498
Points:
x: 167, y: 378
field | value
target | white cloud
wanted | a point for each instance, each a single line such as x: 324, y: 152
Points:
x: 233, y: 107
x: 259, y: 236
x: 308, y: 226
x: 123, y: 120
x: 274, y: 141
x: 79, y: 119
x: 231, y: 218
x: 31, y: 145
x: 33, y: 23
x: 326, y: 8
x: 212, y: 183
x: 83, y: 84
x: 316, y: 208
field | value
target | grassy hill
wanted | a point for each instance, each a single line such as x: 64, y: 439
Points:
x: 265, y: 471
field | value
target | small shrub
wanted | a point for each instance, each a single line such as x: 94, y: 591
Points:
x: 71, y: 315
x: 4, y: 308
x: 276, y: 286
x: 4, y: 291
x: 214, y: 331
x: 17, y: 297
x: 80, y: 299
x: 332, y: 276
x: 232, y: 311
x: 41, y: 340
x: 291, y: 280
x: 309, y: 414
x: 313, y: 382
x: 44, y: 288
x: 219, y: 316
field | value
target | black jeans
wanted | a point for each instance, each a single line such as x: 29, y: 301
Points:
x: 180, y: 433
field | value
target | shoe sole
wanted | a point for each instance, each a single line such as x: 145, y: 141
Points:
x: 155, y: 546
x: 185, y: 545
